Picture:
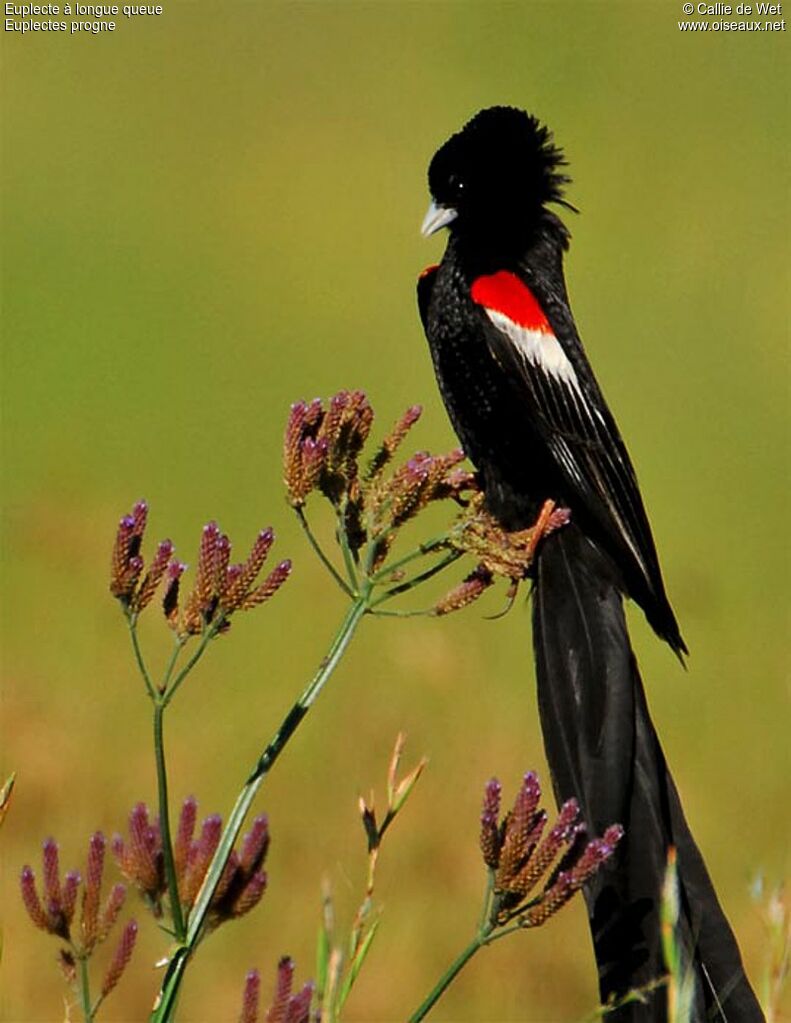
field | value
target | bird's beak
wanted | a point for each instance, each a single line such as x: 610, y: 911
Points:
x: 436, y: 218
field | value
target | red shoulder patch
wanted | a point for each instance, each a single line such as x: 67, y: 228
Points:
x: 503, y: 292
x: 428, y: 270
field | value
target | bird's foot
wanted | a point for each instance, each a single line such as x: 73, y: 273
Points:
x: 550, y: 518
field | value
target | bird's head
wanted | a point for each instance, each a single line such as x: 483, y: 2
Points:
x: 494, y: 177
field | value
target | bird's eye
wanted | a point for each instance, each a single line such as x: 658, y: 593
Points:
x: 455, y: 186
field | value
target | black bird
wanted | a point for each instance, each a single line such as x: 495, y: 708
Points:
x: 529, y: 413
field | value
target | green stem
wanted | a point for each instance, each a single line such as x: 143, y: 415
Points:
x: 141, y: 664
x: 408, y: 584
x: 487, y: 901
x: 426, y: 612
x: 418, y: 552
x: 178, y: 646
x: 455, y: 968
x: 208, y: 635
x: 320, y: 553
x: 85, y: 990
x: 171, y: 984
x: 487, y: 933
x: 348, y: 557
x: 164, y: 823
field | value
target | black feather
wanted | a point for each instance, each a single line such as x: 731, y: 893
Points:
x: 603, y: 749
x: 533, y: 435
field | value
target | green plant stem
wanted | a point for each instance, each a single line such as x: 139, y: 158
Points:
x: 160, y: 703
x: 418, y: 552
x: 85, y: 990
x: 320, y: 553
x: 208, y: 635
x: 178, y: 646
x: 348, y: 557
x: 481, y: 938
x: 487, y: 933
x: 141, y: 664
x: 171, y: 984
x: 426, y: 612
x: 164, y: 822
x: 408, y: 584
x: 487, y: 900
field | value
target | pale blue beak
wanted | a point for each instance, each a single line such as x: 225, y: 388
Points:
x: 436, y: 218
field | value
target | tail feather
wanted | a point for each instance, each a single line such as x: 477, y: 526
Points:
x: 602, y: 748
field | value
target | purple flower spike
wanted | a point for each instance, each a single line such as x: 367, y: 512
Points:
x: 515, y: 850
x: 303, y: 424
x: 258, y: 555
x: 186, y: 829
x: 299, y: 1009
x: 170, y: 602
x: 142, y: 597
x: 140, y: 517
x: 210, y: 836
x: 269, y: 587
x: 490, y: 836
x: 120, y: 960
x: 69, y: 895
x: 200, y: 855
x: 135, y: 566
x: 250, y: 998
x: 112, y: 907
x: 92, y: 893
x: 288, y: 1008
x: 393, y: 440
x: 467, y: 591
x: 285, y: 977
x: 56, y: 911
x: 51, y: 874
x: 31, y: 900
x: 143, y: 846
x: 251, y: 894
x: 255, y: 845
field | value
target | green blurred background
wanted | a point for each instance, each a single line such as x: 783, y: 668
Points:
x: 212, y: 213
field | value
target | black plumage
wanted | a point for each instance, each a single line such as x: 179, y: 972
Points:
x: 527, y: 408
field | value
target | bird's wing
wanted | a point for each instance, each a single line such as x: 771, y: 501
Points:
x: 425, y: 286
x: 569, y: 412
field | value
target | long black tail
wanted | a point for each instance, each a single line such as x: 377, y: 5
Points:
x: 602, y: 748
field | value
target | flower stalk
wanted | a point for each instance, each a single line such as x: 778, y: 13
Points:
x: 195, y: 883
x: 340, y: 959
x: 321, y: 453
x: 322, y: 450
x: 166, y: 1001
x: 519, y: 858
x: 56, y: 913
x: 164, y: 821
